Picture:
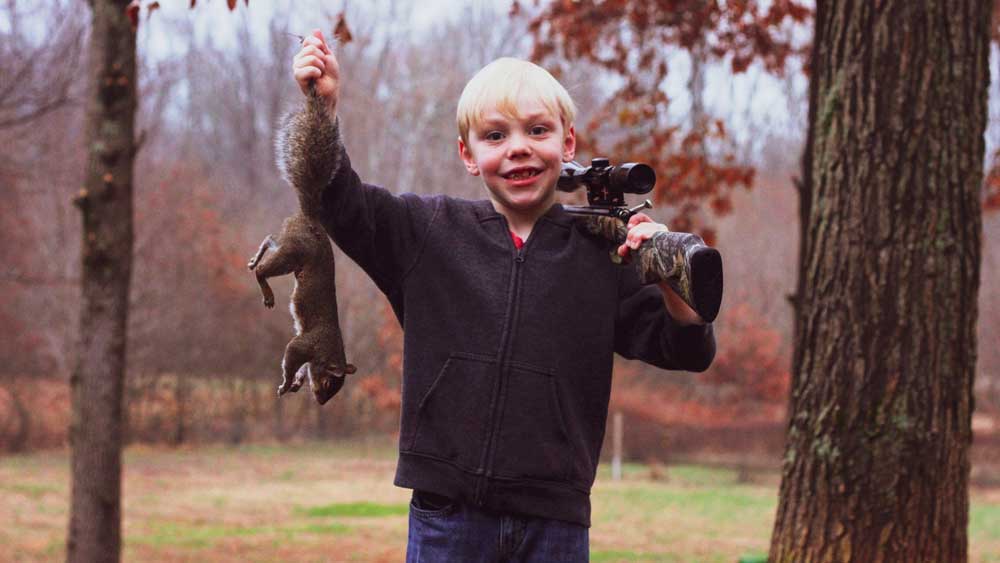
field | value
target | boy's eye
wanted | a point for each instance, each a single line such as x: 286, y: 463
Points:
x: 494, y: 136
x: 539, y: 130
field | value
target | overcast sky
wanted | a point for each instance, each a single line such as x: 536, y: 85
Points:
x: 726, y: 95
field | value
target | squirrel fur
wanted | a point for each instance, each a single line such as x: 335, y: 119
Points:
x: 308, y: 153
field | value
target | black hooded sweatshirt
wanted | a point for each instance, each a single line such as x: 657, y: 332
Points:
x: 507, y: 353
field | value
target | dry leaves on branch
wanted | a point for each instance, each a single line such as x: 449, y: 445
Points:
x: 132, y: 13
x: 340, y: 30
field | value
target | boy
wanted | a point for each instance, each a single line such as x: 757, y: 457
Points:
x: 511, y: 317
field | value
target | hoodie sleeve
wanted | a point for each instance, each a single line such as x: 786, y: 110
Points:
x: 645, y: 331
x: 380, y: 231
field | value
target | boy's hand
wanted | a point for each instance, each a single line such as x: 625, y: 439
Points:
x: 641, y: 228
x: 315, y: 63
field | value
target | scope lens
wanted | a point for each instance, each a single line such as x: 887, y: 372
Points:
x: 633, y: 178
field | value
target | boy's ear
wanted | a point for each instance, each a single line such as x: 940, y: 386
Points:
x: 569, y: 144
x: 467, y: 158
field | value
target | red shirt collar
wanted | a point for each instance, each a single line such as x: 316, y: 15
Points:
x: 518, y: 241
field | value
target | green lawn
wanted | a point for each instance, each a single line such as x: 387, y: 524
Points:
x: 322, y: 502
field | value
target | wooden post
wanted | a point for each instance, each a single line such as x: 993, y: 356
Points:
x: 616, y: 447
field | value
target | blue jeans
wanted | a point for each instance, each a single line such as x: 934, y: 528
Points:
x: 446, y: 531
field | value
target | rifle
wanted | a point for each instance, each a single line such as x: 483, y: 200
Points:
x: 682, y: 260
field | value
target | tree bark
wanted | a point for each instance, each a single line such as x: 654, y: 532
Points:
x: 106, y: 204
x: 877, y: 458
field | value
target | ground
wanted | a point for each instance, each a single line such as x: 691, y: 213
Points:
x: 336, y: 502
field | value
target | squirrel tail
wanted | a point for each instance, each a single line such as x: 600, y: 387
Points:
x: 308, y: 151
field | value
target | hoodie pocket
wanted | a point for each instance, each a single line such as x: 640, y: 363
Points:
x: 453, y: 414
x: 533, y: 442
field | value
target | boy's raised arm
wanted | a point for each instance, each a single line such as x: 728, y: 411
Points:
x: 378, y: 230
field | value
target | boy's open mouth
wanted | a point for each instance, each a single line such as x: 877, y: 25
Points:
x: 522, y: 173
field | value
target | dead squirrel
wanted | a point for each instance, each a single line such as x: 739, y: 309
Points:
x: 303, y: 248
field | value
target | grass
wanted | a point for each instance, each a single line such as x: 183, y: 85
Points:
x: 32, y: 491
x: 984, y: 526
x: 203, y: 534
x: 607, y: 556
x: 367, y: 509
x: 336, y: 502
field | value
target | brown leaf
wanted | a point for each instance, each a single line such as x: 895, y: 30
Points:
x: 232, y: 4
x: 721, y: 205
x: 132, y: 13
x: 720, y: 128
x: 152, y: 7
x: 708, y: 235
x: 193, y: 3
x: 341, y: 31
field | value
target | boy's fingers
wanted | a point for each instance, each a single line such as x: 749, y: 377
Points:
x: 314, y: 61
x: 331, y: 67
x: 311, y: 49
x: 638, y: 218
x: 623, y: 251
x: 634, y: 234
x: 322, y: 42
x: 305, y: 73
x: 302, y: 64
x: 638, y: 234
x: 315, y: 42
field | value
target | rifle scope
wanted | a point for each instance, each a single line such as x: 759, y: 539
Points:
x: 601, y: 176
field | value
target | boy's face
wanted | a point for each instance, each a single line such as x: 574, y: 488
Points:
x: 520, y: 158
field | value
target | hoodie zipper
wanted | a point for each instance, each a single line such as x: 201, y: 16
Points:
x: 486, y: 462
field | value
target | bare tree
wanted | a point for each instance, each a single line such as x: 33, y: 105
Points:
x: 106, y: 204
x: 29, y: 88
x: 37, y: 276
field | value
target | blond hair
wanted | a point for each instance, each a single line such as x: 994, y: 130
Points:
x: 505, y: 81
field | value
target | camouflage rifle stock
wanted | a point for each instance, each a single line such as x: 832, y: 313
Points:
x: 682, y: 260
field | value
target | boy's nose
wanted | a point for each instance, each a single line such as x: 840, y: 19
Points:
x: 517, y: 146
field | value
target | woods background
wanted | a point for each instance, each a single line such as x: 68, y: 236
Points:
x: 203, y: 355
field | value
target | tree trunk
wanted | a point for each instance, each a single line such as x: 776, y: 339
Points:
x: 106, y: 204
x: 877, y: 458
